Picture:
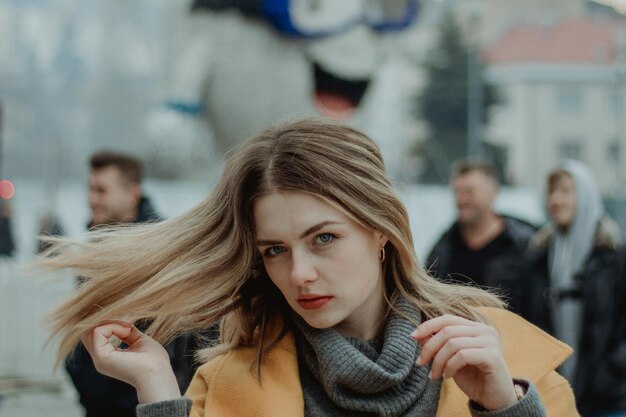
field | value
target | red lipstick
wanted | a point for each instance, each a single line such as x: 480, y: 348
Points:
x: 313, y: 301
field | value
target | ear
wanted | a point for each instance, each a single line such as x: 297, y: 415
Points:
x: 135, y: 191
x: 494, y: 191
x: 382, y: 239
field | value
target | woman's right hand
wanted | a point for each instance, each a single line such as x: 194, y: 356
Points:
x: 145, y: 364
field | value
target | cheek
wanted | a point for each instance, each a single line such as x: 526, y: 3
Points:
x: 365, y: 271
x: 571, y: 211
x: 571, y: 202
x: 277, y: 275
x: 129, y: 200
x: 553, y: 200
x: 271, y: 273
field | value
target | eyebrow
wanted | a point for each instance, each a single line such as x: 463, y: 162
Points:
x: 307, y: 232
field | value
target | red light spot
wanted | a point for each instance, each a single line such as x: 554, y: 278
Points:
x: 7, y: 189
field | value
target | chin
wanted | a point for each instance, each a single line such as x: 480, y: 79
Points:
x: 464, y: 220
x: 319, y: 323
x: 563, y: 227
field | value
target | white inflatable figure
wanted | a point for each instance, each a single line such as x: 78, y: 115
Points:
x: 248, y: 64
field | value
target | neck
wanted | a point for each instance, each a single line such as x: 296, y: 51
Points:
x: 368, y: 322
x: 130, y: 216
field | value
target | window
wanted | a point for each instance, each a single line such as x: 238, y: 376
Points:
x: 613, y: 152
x: 612, y: 100
x: 569, y: 100
x: 569, y: 149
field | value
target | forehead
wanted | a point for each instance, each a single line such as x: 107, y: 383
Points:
x: 562, y: 181
x: 106, y: 176
x: 470, y: 178
x: 293, y: 211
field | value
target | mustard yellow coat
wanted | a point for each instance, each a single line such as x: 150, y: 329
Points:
x: 226, y: 387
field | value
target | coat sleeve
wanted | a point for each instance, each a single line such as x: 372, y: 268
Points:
x: 194, y: 403
x: 170, y: 408
x: 557, y: 396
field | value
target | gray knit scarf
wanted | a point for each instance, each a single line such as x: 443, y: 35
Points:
x: 350, y: 377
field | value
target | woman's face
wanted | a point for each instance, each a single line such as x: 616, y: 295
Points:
x: 325, y: 264
x: 562, y: 201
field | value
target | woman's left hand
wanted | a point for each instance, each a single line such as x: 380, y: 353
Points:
x: 470, y: 353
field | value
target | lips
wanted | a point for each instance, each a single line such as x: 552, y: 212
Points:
x: 313, y: 302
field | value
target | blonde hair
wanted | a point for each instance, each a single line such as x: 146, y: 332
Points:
x: 186, y: 273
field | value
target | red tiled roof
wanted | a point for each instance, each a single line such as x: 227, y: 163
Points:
x: 571, y: 41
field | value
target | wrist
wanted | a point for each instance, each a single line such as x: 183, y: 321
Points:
x: 157, y: 388
x: 509, y: 397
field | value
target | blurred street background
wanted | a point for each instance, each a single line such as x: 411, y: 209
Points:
x: 521, y: 83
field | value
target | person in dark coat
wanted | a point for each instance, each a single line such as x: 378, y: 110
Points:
x: 7, y: 246
x: 49, y: 225
x: 575, y: 289
x: 481, y: 246
x: 115, y: 197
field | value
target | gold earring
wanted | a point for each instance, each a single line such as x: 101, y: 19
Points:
x: 381, y: 254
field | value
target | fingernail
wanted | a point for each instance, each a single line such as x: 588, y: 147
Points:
x: 414, y: 333
x: 418, y: 360
x: 430, y: 375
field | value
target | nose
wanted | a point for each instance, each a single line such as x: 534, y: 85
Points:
x: 554, y: 199
x: 460, y: 197
x: 303, y: 268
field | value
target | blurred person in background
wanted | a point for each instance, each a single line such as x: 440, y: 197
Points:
x: 575, y: 288
x: 7, y: 246
x: 115, y: 194
x: 481, y: 246
x: 115, y: 197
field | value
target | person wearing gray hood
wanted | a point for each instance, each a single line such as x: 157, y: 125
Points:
x: 575, y: 288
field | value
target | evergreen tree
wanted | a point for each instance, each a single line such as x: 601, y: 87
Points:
x: 443, y: 104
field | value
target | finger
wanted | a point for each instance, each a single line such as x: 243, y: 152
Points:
x: 134, y: 336
x: 87, y: 337
x: 101, y: 335
x: 120, y: 322
x: 431, y: 346
x: 432, y: 326
x: 450, y: 349
x: 482, y: 358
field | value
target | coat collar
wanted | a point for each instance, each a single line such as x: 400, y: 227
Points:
x: 529, y: 352
x: 607, y: 236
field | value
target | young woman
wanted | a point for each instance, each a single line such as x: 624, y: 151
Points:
x: 576, y: 286
x: 304, y: 253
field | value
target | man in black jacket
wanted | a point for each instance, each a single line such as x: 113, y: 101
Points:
x: 115, y: 197
x: 482, y: 247
x: 6, y: 237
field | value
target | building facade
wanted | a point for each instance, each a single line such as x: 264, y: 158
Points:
x: 562, y: 89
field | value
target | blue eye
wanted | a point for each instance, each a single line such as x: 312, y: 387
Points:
x: 274, y: 250
x: 324, y: 238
